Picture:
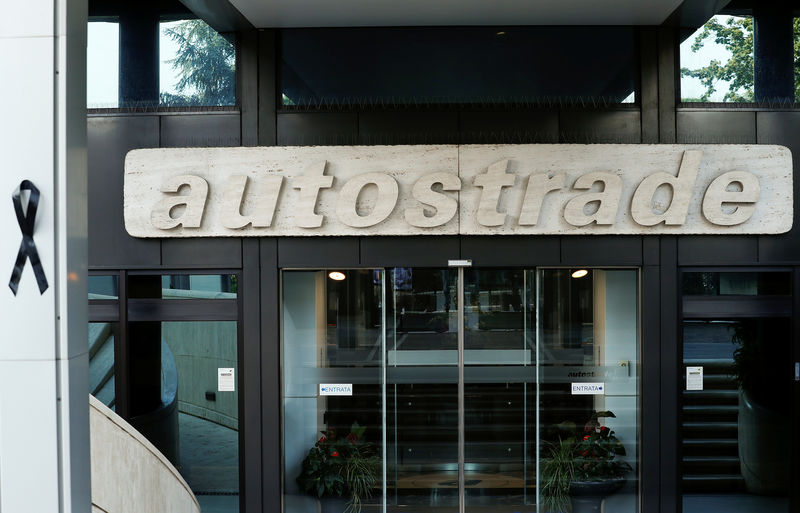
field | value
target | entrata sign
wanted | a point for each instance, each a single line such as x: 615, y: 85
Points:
x: 448, y: 190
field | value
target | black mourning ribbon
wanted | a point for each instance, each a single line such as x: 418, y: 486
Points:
x: 27, y: 249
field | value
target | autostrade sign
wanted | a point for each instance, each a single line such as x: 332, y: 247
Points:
x: 458, y: 189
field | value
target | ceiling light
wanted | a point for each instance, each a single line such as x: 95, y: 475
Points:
x: 336, y: 275
x: 580, y: 273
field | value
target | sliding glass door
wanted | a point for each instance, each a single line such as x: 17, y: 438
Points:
x: 454, y: 389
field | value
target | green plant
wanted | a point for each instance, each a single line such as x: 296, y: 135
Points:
x: 586, y: 455
x: 337, y: 467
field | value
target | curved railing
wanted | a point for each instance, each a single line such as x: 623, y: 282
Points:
x: 129, y: 475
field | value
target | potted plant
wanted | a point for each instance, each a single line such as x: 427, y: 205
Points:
x: 582, y: 467
x: 341, y: 468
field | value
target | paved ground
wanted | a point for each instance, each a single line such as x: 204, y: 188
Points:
x: 210, y: 463
x: 734, y: 503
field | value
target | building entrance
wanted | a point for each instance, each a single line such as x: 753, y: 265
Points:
x: 460, y: 389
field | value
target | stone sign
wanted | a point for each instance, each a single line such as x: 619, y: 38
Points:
x: 448, y: 189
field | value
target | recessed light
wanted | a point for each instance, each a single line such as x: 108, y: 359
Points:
x: 580, y: 273
x: 501, y: 33
x: 336, y: 275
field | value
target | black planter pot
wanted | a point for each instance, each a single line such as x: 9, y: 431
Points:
x: 587, y: 496
x: 332, y: 504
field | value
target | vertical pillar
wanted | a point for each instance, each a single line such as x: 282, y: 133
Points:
x: 773, y: 48
x: 44, y: 407
x: 138, y: 57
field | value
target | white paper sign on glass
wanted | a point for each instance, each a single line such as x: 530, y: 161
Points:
x: 336, y: 389
x: 225, y: 379
x: 694, y: 378
x: 588, y: 388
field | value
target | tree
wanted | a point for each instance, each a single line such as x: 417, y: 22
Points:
x: 736, y: 35
x: 205, y: 62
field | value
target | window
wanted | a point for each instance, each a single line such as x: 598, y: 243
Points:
x: 102, y: 65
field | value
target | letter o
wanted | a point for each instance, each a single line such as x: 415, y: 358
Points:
x: 388, y: 192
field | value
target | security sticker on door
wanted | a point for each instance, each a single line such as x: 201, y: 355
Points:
x: 225, y: 380
x: 588, y: 388
x: 335, y: 389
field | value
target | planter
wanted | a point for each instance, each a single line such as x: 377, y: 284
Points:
x: 587, y: 496
x: 332, y: 505
x: 763, y: 436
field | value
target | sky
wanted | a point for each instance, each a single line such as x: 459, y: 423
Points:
x: 103, y: 64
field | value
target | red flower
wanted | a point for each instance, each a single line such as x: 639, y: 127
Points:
x: 335, y: 454
x: 352, y: 438
x: 322, y: 440
x: 584, y: 453
x: 586, y: 437
x: 604, y: 429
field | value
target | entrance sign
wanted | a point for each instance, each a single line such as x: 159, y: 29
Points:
x: 336, y: 389
x: 523, y: 189
x: 588, y: 389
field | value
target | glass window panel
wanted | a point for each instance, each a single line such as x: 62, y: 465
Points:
x: 104, y: 287
x: 332, y: 389
x: 588, y: 366
x: 102, y: 337
x: 737, y: 283
x: 197, y: 65
x: 178, y: 372
x: 717, y: 61
x: 735, y: 426
x: 102, y: 65
x: 184, y: 286
x: 473, y: 65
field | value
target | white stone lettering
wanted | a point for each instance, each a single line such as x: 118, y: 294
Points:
x: 642, y: 207
x: 194, y: 201
x: 492, y: 183
x: 347, y: 203
x: 538, y: 186
x: 575, y: 210
x: 719, y: 197
x: 309, y: 186
x: 445, y: 206
x: 265, y: 201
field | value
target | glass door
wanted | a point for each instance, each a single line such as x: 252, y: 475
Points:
x: 444, y: 381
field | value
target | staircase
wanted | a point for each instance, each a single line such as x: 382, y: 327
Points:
x: 101, y: 362
x: 709, y: 428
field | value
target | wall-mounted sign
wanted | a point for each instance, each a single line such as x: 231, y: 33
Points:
x: 449, y: 189
x: 694, y: 378
x: 225, y: 380
x: 335, y: 389
x: 588, y: 389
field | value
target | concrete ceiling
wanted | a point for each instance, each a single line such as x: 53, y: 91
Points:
x: 376, y: 13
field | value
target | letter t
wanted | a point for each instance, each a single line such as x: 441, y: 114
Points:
x: 492, y: 183
x: 309, y: 186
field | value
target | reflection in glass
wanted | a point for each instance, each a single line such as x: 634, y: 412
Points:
x: 101, y: 361
x: 184, y: 286
x: 588, y: 366
x: 736, y: 283
x: 177, y: 402
x: 104, y: 287
x: 735, y: 431
x: 332, y: 335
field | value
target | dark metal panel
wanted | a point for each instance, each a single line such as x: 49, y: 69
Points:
x: 782, y: 128
x: 670, y: 375
x: 648, y: 89
x: 270, y: 376
x: 512, y: 251
x: 717, y: 250
x: 247, y: 76
x: 606, y: 250
x: 200, y: 130
x: 724, y: 307
x: 103, y: 311
x: 707, y: 127
x: 600, y: 126
x: 650, y: 388
x: 182, y: 310
x: 509, y: 127
x: 250, y: 370
x: 393, y: 127
x: 651, y: 248
x: 108, y: 141
x: 222, y: 16
x: 317, y: 128
x: 267, y: 87
x: 667, y: 83
x: 205, y: 252
x: 422, y: 251
x: 318, y: 252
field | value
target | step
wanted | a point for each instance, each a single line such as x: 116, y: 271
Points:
x: 710, y: 447
x: 716, y: 465
x: 710, y: 429
x: 711, y: 413
x: 726, y: 483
